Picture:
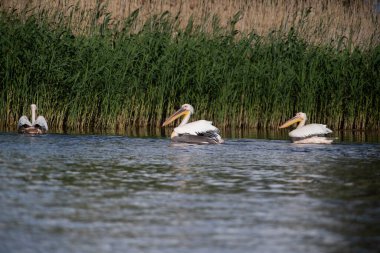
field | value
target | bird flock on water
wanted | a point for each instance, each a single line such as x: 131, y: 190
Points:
x: 200, y: 131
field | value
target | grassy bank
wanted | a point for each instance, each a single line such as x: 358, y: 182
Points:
x: 113, y: 78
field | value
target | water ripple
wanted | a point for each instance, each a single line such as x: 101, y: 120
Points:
x: 91, y: 193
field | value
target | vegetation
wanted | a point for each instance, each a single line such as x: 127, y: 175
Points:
x: 324, y: 21
x: 115, y: 76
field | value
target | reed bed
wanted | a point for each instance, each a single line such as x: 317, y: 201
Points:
x: 117, y: 77
x: 325, y: 21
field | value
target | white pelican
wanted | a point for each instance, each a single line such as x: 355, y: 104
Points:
x: 198, y: 132
x: 38, y: 126
x: 305, y: 134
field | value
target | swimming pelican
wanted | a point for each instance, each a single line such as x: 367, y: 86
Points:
x: 305, y: 134
x: 38, y: 126
x: 197, y: 132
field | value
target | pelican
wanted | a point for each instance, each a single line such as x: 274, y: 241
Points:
x: 197, y: 132
x: 38, y: 126
x: 305, y: 134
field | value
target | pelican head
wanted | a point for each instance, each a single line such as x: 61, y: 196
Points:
x: 300, y: 117
x: 34, y: 108
x: 185, y: 110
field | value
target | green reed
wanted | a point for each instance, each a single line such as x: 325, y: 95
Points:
x: 107, y: 77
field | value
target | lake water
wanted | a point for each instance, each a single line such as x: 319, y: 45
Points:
x: 113, y: 193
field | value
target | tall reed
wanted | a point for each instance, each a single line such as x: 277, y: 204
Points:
x: 118, y: 77
x: 324, y: 21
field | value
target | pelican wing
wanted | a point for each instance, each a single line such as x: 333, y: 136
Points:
x: 41, y: 123
x: 310, y: 130
x: 23, y: 122
x: 200, y: 127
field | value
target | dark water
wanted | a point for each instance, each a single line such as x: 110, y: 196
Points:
x: 108, y: 193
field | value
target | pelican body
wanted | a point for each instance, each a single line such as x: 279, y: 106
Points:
x: 38, y: 126
x: 197, y: 132
x: 307, y: 134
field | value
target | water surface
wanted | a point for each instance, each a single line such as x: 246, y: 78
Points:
x: 109, y: 193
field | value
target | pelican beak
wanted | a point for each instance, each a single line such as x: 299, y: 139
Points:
x: 291, y: 121
x: 175, y: 116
